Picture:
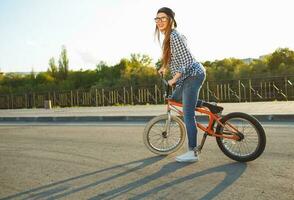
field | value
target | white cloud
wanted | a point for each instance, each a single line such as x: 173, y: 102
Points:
x: 87, y: 57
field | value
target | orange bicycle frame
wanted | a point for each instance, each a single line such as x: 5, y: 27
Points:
x: 172, y: 106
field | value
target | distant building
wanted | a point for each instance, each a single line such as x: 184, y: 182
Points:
x: 247, y: 60
x: 263, y: 56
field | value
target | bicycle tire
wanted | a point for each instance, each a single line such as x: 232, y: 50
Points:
x: 240, y: 150
x: 156, y: 125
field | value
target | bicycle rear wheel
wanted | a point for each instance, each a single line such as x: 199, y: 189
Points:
x: 247, y: 148
x: 164, y: 136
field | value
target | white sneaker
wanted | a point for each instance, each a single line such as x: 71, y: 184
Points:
x: 187, y: 157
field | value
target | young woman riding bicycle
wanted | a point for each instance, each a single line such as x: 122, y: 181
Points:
x: 188, y: 75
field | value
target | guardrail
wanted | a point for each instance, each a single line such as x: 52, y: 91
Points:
x: 242, y: 90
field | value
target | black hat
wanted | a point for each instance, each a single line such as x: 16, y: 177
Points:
x: 169, y: 12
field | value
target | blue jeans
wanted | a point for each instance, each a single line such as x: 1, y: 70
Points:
x: 188, y: 94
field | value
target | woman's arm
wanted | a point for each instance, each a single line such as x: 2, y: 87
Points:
x: 174, y: 79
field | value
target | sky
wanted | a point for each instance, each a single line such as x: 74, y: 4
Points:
x: 33, y: 31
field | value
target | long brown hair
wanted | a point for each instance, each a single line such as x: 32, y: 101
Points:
x: 166, y: 52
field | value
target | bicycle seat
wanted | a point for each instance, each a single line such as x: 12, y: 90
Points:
x: 213, y: 107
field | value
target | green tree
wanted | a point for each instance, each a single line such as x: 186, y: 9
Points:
x: 52, y: 70
x: 281, y: 61
x: 44, y: 78
x: 63, y: 64
x: 259, y: 68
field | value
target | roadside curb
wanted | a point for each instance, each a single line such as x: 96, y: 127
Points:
x: 79, y: 119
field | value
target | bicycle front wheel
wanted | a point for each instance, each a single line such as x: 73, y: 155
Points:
x: 164, y: 136
x: 252, y: 142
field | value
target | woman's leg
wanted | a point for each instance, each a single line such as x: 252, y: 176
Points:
x: 191, y: 88
x: 178, y: 93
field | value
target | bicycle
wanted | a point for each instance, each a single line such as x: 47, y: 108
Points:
x: 239, y: 136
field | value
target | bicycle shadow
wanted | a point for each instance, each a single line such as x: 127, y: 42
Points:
x: 48, y: 191
x: 233, y: 172
x: 165, y: 170
x: 63, y: 188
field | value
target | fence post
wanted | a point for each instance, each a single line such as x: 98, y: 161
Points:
x: 239, y: 88
x: 102, y: 97
x: 261, y: 89
x: 269, y: 90
x: 54, y: 98
x: 221, y: 92
x: 229, y: 92
x: 265, y: 91
x: 155, y: 93
x: 109, y: 97
x: 125, y: 95
x: 96, y: 97
x: 34, y: 100
x: 26, y: 100
x: 78, y: 101
x: 217, y: 91
x: 132, y: 98
x: 71, y: 98
x: 286, y: 86
x: 203, y: 94
x: 273, y: 89
x: 83, y: 98
x: 11, y: 101
x: 114, y: 96
x: 225, y: 91
x: 8, y: 102
x: 207, y: 93
x: 250, y: 87
x: 117, y: 97
x: 143, y: 95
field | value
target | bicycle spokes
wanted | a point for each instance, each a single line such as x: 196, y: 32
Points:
x: 164, y: 135
x: 245, y: 131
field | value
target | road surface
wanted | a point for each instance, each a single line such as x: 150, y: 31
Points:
x: 106, y: 161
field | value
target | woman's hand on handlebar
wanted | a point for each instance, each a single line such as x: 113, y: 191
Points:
x: 162, y: 71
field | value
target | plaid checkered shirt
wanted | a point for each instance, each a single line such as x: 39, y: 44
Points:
x: 182, y: 60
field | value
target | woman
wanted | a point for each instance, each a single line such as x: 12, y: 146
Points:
x: 188, y: 75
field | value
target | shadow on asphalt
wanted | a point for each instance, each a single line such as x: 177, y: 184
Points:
x: 63, y: 188
x: 233, y: 171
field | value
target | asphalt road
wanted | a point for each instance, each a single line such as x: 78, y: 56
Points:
x: 111, y: 162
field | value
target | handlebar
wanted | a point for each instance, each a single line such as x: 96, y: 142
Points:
x: 164, y: 81
x: 166, y: 85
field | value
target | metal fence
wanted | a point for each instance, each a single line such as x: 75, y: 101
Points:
x: 242, y: 90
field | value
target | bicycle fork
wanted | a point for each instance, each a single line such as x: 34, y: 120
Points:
x: 167, y: 124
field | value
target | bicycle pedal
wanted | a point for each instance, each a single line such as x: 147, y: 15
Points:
x: 197, y: 151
